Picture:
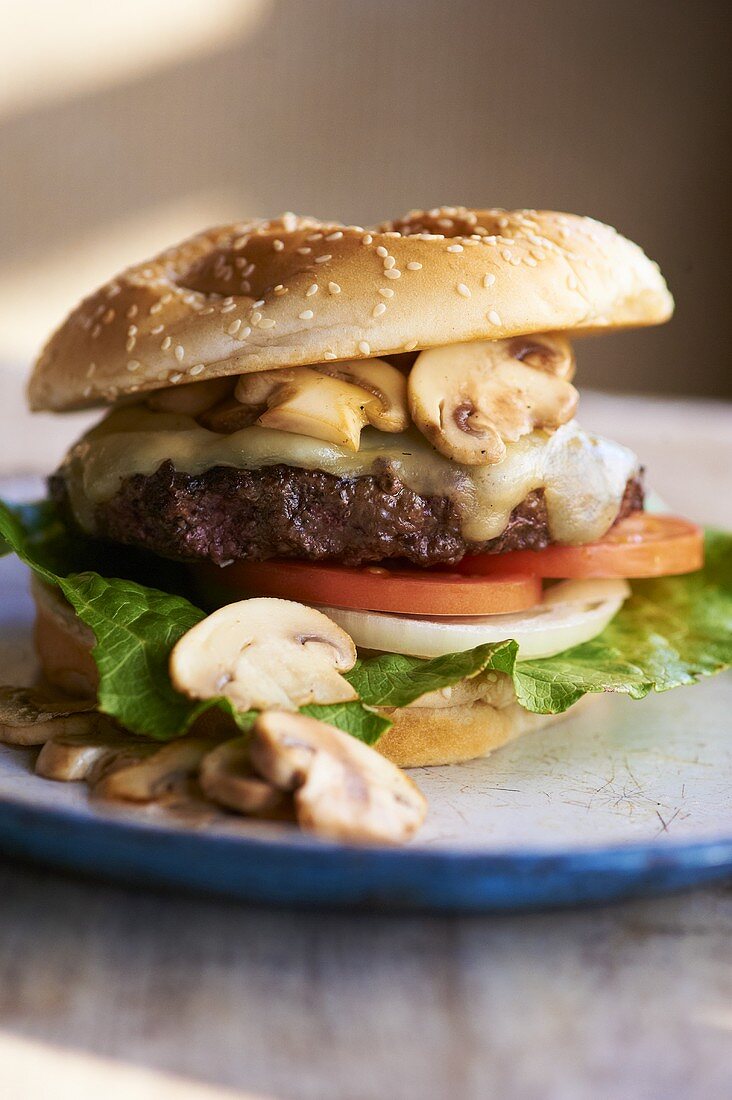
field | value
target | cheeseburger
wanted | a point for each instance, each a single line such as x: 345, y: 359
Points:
x: 371, y: 435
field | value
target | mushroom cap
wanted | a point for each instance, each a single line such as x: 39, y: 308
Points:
x: 30, y: 716
x: 263, y: 653
x: 296, y: 291
x: 344, y: 790
x: 471, y: 399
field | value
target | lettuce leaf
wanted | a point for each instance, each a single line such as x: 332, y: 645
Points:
x: 135, y: 628
x: 671, y: 632
x: 393, y: 680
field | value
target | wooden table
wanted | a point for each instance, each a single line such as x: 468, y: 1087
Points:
x: 110, y: 992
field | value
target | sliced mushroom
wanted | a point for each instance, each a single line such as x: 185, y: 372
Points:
x: 265, y: 653
x: 227, y: 777
x: 389, y: 411
x: 30, y: 716
x: 344, y: 790
x: 470, y: 400
x: 148, y: 772
x: 310, y: 402
x: 191, y: 399
x: 72, y: 757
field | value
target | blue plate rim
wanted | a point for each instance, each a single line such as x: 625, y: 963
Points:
x: 304, y: 871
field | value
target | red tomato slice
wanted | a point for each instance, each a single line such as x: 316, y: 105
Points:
x: 378, y: 588
x: 641, y: 545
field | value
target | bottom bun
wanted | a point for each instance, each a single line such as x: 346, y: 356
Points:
x: 419, y: 736
x: 451, y: 735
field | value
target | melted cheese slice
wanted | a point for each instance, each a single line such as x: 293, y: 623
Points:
x: 583, y: 476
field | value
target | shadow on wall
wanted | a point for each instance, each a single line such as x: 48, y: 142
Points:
x: 360, y: 111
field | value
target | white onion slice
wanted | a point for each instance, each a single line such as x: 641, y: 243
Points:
x: 571, y: 612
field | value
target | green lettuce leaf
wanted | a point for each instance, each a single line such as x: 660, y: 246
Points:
x: 393, y: 680
x: 135, y: 628
x: 671, y: 632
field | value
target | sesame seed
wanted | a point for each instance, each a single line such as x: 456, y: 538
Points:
x: 205, y: 312
x: 314, y: 237
x: 157, y: 330
x: 95, y: 331
x: 334, y: 236
x: 256, y: 317
x: 323, y: 259
x: 410, y: 346
x: 378, y: 309
x: 306, y: 315
x: 131, y: 312
x: 228, y: 308
x: 506, y: 253
x: 245, y: 332
x: 312, y: 289
x: 464, y: 290
x: 488, y: 280
x: 279, y: 290
x: 267, y: 322
x: 175, y: 378
x: 278, y: 245
x: 304, y: 250
x: 166, y: 343
x: 133, y: 365
x: 386, y: 292
x: 389, y: 263
x: 131, y: 341
x: 108, y: 317
x: 394, y: 273
x: 198, y: 369
x: 179, y: 352
x: 414, y: 266
x: 258, y: 303
x: 367, y: 238
x: 529, y: 261
x: 155, y: 308
x: 364, y: 347
x: 381, y: 251
x: 132, y: 330
x: 234, y: 327
x: 454, y: 248
x: 538, y: 254
x: 494, y: 318
x: 86, y: 392
x: 330, y: 355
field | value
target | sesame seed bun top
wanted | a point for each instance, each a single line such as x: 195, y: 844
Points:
x: 295, y: 291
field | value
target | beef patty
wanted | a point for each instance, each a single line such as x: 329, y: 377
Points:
x: 226, y: 514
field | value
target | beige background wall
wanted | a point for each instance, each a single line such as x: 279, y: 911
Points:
x: 124, y: 126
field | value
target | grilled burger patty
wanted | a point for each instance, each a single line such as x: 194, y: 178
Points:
x: 281, y: 511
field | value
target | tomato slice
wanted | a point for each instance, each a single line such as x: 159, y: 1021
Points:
x: 379, y: 587
x: 642, y: 545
